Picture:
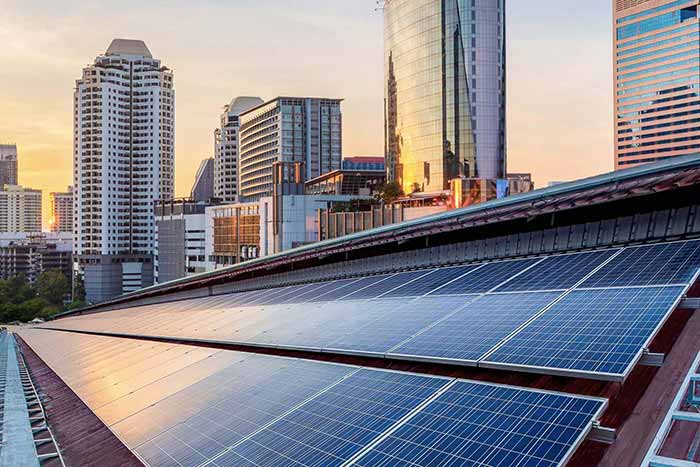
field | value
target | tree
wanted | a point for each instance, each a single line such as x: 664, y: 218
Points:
x: 53, y: 287
x: 389, y: 192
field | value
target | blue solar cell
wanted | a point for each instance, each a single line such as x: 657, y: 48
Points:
x: 599, y: 331
x: 432, y: 281
x: 486, y: 425
x: 477, y: 327
x: 386, y: 285
x: 326, y: 287
x: 485, y: 278
x: 336, y: 424
x: 557, y: 272
x: 353, y: 287
x: 663, y: 264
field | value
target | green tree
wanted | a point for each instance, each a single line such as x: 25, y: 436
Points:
x: 52, y: 286
x: 389, y: 192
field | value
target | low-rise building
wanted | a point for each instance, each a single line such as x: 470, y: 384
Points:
x: 33, y: 254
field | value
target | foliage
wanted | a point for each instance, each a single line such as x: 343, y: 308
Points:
x: 389, y: 192
x: 22, y: 301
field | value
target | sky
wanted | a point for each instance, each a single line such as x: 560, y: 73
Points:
x: 559, y: 74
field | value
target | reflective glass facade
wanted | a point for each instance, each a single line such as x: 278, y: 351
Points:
x: 657, y: 80
x: 445, y: 91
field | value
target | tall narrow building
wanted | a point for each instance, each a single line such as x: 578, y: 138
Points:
x: 291, y: 130
x: 8, y: 164
x: 445, y: 92
x: 656, y: 64
x: 226, y: 148
x: 124, y: 112
x: 61, y: 219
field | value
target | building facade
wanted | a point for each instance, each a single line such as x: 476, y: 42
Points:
x: 34, y: 254
x: 291, y: 130
x: 20, y: 209
x: 8, y: 164
x: 124, y: 112
x: 656, y: 80
x: 226, y: 148
x: 62, y: 211
x: 203, y: 186
x: 445, y: 93
x: 180, y: 238
x: 232, y: 234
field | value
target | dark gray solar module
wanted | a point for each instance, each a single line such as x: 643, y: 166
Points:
x: 485, y: 278
x: 386, y: 285
x: 430, y: 282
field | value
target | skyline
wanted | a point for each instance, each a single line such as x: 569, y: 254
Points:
x: 217, y: 52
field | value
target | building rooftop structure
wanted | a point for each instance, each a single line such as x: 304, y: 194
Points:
x: 128, y: 47
x: 571, y: 306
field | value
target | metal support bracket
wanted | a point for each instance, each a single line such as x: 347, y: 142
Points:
x: 602, y: 434
x: 692, y: 303
x: 652, y: 359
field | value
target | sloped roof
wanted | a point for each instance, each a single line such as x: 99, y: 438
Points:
x: 242, y: 104
x: 128, y: 47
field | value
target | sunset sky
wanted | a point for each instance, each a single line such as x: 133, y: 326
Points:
x: 559, y: 74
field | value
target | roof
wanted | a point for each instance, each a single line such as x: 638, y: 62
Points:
x: 241, y: 104
x: 128, y: 47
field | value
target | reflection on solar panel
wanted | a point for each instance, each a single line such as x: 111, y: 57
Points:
x: 476, y: 328
x: 432, y: 281
x: 492, y: 422
x: 664, y: 264
x: 557, y: 272
x: 485, y: 278
x: 224, y: 408
x: 600, y: 331
x: 429, y: 319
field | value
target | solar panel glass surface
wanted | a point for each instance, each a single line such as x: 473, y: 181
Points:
x: 599, y: 331
x: 390, y: 283
x: 485, y: 278
x: 475, y: 328
x: 430, y: 282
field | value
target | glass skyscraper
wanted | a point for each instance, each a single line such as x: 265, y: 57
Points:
x: 657, y: 74
x: 445, y: 91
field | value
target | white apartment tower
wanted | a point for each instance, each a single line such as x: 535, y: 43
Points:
x: 226, y: 148
x: 124, y: 113
x: 20, y: 209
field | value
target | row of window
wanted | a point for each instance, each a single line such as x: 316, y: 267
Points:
x: 668, y: 74
x: 654, y: 37
x: 657, y: 93
x: 657, y: 85
x: 655, y: 143
x: 658, y: 60
x: 689, y: 61
x: 657, y: 22
x: 681, y: 42
x: 651, y: 11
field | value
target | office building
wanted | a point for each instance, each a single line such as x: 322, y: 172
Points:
x: 20, y: 209
x: 445, y: 93
x: 180, y: 236
x: 656, y: 80
x: 290, y: 130
x: 33, y: 254
x: 62, y: 211
x: 226, y: 148
x: 232, y: 234
x: 124, y: 111
x: 203, y: 186
x: 8, y: 164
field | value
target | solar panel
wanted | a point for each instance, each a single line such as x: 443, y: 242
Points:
x: 353, y: 287
x: 557, y: 272
x: 487, y: 425
x: 337, y: 423
x: 474, y: 329
x: 430, y: 282
x: 594, y: 331
x: 386, y: 285
x: 319, y: 292
x: 485, y: 278
x: 663, y: 264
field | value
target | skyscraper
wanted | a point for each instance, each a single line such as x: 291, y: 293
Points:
x: 62, y: 211
x: 203, y: 186
x: 445, y: 94
x: 226, y: 148
x: 8, y: 164
x: 657, y: 79
x: 20, y: 209
x: 124, y: 111
x: 289, y: 130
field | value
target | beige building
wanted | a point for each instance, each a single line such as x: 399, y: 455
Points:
x: 656, y: 63
x: 62, y: 211
x: 20, y: 209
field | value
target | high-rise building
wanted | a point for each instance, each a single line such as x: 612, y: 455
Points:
x: 8, y: 164
x: 203, y: 186
x: 226, y: 148
x: 445, y: 95
x: 20, y: 209
x: 62, y: 211
x: 656, y: 80
x: 292, y: 130
x: 124, y: 112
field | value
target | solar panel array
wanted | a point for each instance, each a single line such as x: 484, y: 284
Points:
x: 581, y: 314
x: 178, y: 405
